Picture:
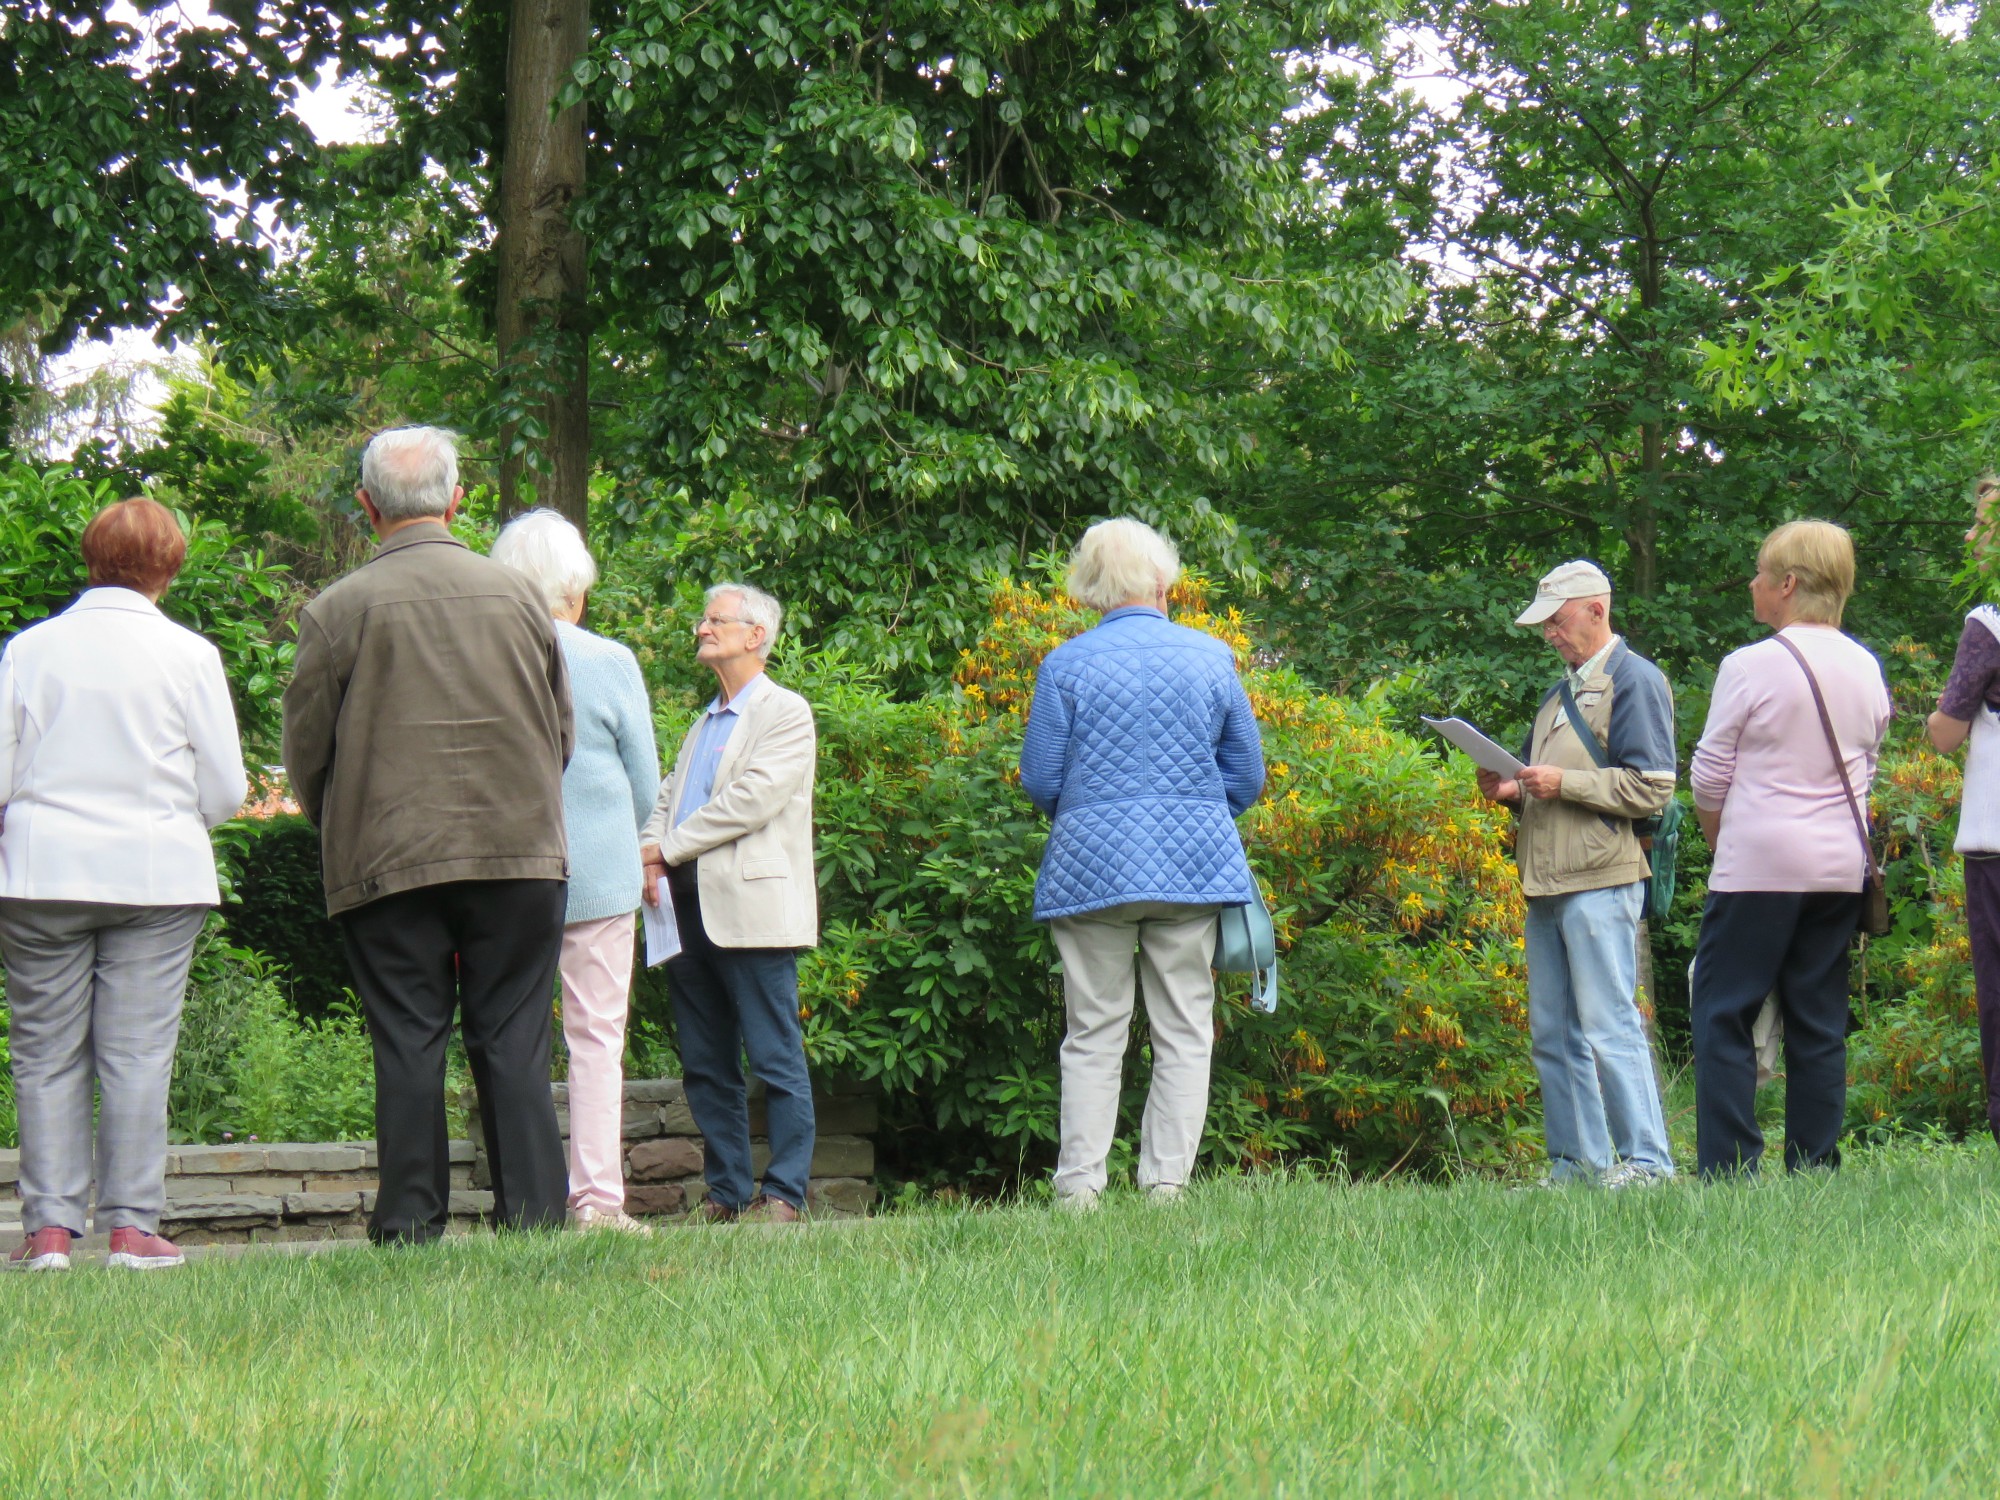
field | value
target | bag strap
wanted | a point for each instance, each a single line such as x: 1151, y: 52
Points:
x: 1833, y: 745
x: 1583, y: 730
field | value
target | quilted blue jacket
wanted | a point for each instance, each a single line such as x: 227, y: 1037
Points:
x: 1142, y: 746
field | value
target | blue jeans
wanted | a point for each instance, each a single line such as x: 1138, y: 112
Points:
x: 1599, y: 1093
x: 729, y: 1001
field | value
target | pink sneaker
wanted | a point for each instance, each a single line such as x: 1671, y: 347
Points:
x: 136, y: 1250
x: 44, y: 1250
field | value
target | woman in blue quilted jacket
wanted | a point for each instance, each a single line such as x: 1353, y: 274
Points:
x: 1142, y: 748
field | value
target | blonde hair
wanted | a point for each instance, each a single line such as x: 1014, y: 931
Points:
x: 1820, y: 556
x: 1118, y: 561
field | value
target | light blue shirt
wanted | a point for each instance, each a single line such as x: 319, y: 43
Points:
x: 711, y: 740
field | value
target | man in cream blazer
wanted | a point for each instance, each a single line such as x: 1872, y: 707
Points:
x: 732, y: 834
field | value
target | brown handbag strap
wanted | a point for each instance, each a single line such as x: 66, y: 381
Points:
x: 1833, y: 744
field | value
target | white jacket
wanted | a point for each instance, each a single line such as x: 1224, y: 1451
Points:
x: 118, y: 752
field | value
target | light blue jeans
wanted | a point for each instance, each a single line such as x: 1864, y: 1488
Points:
x: 1600, y: 1098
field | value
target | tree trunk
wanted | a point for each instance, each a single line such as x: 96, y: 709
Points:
x: 541, y: 316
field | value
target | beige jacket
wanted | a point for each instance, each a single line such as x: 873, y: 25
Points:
x: 1584, y: 840
x: 752, y: 841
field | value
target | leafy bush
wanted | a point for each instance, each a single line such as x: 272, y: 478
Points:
x: 1914, y: 1064
x: 225, y: 590
x: 1401, y: 1036
x: 281, y: 911
x: 247, y: 1066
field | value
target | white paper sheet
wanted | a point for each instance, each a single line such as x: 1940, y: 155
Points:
x: 1487, y: 755
x: 663, y: 933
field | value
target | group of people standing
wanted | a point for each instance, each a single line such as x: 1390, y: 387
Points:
x: 1780, y: 780
x: 483, y: 775
x: 485, y: 780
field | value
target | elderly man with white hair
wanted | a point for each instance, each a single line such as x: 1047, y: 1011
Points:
x: 427, y: 724
x: 1143, y: 749
x: 1599, y: 762
x: 732, y: 833
x: 607, y: 793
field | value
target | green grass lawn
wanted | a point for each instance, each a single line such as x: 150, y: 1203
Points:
x: 1805, y: 1337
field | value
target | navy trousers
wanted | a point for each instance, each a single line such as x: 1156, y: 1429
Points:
x: 1754, y: 943
x: 728, y: 1002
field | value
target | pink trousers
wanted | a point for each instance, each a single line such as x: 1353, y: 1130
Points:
x: 596, y: 990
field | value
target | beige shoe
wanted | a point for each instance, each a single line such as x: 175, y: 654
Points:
x: 588, y: 1219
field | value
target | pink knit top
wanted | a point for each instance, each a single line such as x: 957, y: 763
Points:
x: 1763, y: 760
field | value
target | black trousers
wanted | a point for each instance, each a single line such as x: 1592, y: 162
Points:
x: 1754, y: 943
x: 487, y: 949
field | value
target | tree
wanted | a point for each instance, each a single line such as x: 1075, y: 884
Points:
x: 889, y: 302
x: 1610, y: 192
x: 541, y: 322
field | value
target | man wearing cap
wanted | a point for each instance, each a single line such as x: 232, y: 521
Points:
x: 1583, y: 871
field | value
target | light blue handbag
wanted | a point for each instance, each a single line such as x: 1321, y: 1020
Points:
x: 1246, y: 943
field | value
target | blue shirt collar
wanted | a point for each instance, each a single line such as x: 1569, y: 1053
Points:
x: 745, y: 695
x: 1125, y: 610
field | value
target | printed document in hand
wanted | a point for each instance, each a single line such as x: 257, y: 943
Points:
x: 663, y: 933
x: 1483, y: 751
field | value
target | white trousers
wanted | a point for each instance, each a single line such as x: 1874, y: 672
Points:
x: 1166, y: 949
x: 596, y: 991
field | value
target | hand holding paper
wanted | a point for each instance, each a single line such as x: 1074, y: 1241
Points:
x: 663, y: 933
x: 1484, y: 752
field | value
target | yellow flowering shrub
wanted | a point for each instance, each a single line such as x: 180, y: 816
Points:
x: 1914, y: 1062
x: 1400, y: 1040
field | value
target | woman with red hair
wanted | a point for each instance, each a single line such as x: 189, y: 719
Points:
x: 118, y: 753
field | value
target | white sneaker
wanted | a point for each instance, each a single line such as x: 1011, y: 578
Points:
x: 1083, y: 1201
x: 1626, y: 1174
x: 589, y: 1219
x: 1164, y: 1192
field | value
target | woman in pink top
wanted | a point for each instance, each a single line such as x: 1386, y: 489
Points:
x: 1785, y: 893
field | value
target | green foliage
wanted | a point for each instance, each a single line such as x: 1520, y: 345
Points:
x: 226, y: 591
x: 281, y: 912
x: 1400, y: 1040
x: 887, y: 306
x: 248, y: 1067
x: 1597, y: 192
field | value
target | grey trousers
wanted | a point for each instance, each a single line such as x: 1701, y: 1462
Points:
x: 96, y: 994
x: 1166, y: 949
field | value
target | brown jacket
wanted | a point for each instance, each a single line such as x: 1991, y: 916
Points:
x: 427, y: 723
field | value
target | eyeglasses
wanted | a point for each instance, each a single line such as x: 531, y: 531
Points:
x: 1559, y: 621
x: 714, y: 620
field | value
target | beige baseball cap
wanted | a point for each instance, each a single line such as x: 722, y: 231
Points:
x: 1573, y: 580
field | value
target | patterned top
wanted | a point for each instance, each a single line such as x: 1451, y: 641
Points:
x: 1975, y: 672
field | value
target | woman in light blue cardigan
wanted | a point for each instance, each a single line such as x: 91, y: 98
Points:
x: 608, y: 791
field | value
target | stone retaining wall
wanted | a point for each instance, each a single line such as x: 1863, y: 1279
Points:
x: 320, y: 1191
